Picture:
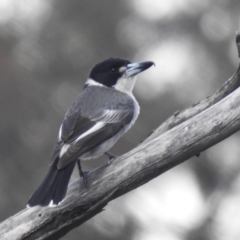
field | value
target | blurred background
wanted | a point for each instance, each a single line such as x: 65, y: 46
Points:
x: 47, y: 49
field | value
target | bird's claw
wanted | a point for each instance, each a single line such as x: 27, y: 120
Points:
x: 83, y: 175
x: 111, y: 156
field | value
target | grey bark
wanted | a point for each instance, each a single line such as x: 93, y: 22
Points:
x: 185, y: 134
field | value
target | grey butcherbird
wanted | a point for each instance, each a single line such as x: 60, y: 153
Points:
x: 102, y: 113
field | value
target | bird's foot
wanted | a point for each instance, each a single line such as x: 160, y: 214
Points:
x: 111, y: 156
x: 83, y: 175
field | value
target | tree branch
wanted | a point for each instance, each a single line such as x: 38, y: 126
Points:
x: 182, y: 115
x: 182, y: 136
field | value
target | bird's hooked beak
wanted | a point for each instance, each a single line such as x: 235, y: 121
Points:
x: 135, y: 68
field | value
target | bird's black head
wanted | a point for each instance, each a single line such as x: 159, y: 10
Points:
x: 109, y: 71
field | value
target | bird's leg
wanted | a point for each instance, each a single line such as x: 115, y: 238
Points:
x: 82, y: 173
x: 110, y: 155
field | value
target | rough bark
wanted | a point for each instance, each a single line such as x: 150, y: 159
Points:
x: 185, y: 134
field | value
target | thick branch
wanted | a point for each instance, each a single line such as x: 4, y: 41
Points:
x: 209, y: 122
x: 126, y: 173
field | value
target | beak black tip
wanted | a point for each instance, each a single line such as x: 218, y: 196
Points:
x: 153, y: 64
x: 149, y: 64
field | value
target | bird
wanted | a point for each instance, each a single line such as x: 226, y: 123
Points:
x: 104, y: 110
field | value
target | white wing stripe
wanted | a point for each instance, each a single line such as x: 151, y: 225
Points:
x: 91, y: 130
x: 64, y: 149
x: 60, y: 134
x: 111, y: 116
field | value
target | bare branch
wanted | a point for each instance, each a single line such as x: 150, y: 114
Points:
x: 196, y: 129
x: 182, y: 115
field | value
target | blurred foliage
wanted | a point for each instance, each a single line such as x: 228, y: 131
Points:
x: 46, y: 51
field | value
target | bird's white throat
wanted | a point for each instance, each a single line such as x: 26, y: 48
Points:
x: 125, y: 84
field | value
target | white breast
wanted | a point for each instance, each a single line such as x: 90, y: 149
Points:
x: 126, y: 85
x: 136, y: 110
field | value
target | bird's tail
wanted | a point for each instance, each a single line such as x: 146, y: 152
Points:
x: 54, y: 187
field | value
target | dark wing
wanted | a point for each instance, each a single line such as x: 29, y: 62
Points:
x: 79, y: 134
x: 73, y: 126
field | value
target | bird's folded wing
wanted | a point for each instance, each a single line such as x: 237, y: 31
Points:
x: 79, y: 134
